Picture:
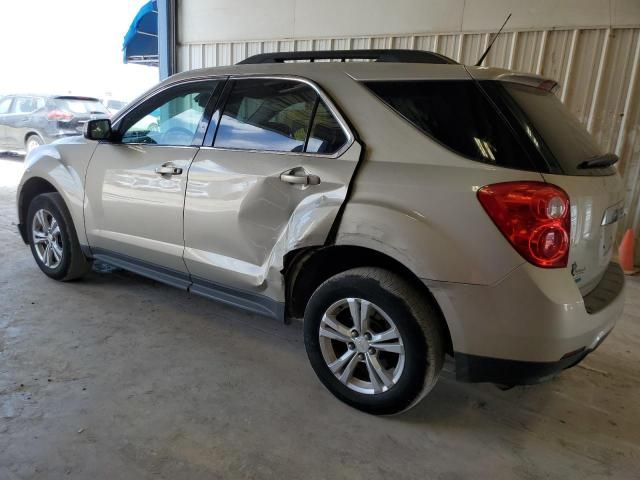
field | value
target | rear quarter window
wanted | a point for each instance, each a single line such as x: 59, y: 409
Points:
x: 458, y: 115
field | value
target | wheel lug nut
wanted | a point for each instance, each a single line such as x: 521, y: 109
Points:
x: 367, y: 336
x: 351, y: 346
x: 361, y: 356
x: 354, y: 333
x: 372, y: 350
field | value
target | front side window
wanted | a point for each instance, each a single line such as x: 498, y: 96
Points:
x: 269, y: 115
x: 457, y: 114
x: 168, y: 119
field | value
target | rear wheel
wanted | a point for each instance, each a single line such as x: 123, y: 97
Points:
x: 32, y: 142
x: 53, y: 239
x: 373, y: 340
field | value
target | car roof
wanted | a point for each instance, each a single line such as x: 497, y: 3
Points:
x: 356, y: 70
x: 361, y: 71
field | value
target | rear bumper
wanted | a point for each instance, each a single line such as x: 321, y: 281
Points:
x: 473, y: 368
x: 531, y: 325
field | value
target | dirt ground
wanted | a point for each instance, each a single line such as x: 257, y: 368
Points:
x: 120, y: 377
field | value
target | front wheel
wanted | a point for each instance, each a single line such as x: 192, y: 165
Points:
x: 53, y: 239
x: 373, y: 340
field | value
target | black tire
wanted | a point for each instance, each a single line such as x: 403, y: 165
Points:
x: 73, y: 263
x: 418, y: 323
x: 31, y: 141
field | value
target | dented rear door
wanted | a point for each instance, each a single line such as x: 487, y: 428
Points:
x: 266, y: 187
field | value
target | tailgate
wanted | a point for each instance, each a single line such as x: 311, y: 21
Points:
x: 596, y: 207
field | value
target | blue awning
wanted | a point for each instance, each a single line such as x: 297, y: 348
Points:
x: 141, y: 41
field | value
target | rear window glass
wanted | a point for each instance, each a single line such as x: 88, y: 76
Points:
x: 75, y: 105
x: 563, y: 135
x: 458, y: 115
x: 115, y: 104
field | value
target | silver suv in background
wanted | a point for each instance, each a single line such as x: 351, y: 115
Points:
x: 406, y: 208
x: 28, y: 121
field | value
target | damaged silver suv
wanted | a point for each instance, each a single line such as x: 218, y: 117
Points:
x: 407, y: 207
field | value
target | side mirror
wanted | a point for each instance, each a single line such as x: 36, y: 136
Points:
x: 98, y: 129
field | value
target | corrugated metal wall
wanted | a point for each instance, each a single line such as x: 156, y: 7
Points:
x: 596, y: 67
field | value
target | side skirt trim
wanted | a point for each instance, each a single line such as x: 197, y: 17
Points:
x: 165, y: 275
x: 243, y: 299
x: 250, y: 301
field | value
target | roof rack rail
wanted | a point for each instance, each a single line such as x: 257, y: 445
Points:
x: 396, y: 55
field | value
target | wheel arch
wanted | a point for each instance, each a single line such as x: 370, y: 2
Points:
x: 33, y: 187
x: 306, y: 268
x: 58, y: 168
x: 31, y: 133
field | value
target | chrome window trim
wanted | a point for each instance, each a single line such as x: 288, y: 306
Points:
x: 337, y: 154
x: 138, y: 145
x: 323, y: 96
x: 296, y: 78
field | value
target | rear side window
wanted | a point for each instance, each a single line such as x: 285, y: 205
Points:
x: 457, y: 114
x: 24, y: 105
x: 272, y: 115
x: 278, y: 116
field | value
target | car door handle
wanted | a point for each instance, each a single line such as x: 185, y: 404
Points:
x: 298, y: 176
x: 168, y: 170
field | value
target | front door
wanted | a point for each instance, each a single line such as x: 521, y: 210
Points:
x: 136, y: 183
x: 273, y: 181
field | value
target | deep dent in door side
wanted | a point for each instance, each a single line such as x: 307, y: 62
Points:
x: 309, y: 226
x: 256, y: 262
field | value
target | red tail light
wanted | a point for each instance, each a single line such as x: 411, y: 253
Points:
x: 534, y: 217
x: 59, y: 115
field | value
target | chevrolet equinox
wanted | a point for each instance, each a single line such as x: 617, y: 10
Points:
x: 405, y: 207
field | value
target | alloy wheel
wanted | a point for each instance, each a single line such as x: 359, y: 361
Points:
x: 47, y: 238
x: 362, y: 346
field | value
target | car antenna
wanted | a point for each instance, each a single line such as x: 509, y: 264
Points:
x: 486, y: 52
